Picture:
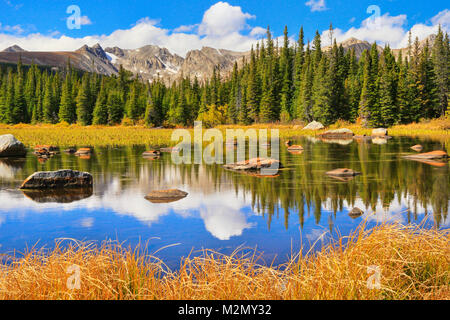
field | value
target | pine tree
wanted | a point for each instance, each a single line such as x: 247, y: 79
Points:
x: 322, y: 110
x: 48, y: 109
x: 441, y: 71
x: 19, y: 110
x: 67, y: 108
x: 83, y: 102
x: 101, y: 108
x: 286, y: 71
x: 115, y: 107
x: 132, y: 105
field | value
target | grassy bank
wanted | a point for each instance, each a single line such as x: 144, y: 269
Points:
x: 74, y: 135
x: 413, y: 264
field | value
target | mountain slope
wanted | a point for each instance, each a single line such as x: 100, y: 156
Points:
x: 91, y: 59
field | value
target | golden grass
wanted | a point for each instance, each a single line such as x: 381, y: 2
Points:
x: 414, y: 264
x: 64, y: 135
x: 74, y: 135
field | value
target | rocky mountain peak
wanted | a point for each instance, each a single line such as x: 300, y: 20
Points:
x: 14, y: 48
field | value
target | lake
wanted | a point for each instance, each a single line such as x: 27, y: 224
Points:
x: 301, y: 207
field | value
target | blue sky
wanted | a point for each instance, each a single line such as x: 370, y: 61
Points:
x: 186, y: 25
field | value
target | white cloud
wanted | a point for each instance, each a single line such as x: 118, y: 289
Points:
x: 222, y: 27
x: 316, y: 5
x: 84, y: 20
x: 223, y: 19
x: 391, y: 30
x: 17, y: 29
x: 187, y: 28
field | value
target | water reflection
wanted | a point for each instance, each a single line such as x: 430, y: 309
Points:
x: 225, y: 206
x: 59, y: 195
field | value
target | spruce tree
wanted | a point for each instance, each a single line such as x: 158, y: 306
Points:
x: 101, y: 108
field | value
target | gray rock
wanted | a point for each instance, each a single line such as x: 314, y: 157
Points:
x: 11, y: 147
x: 355, y: 213
x: 254, y: 165
x: 379, y: 132
x: 166, y: 196
x: 58, y: 179
x: 343, y: 133
x: 314, y: 126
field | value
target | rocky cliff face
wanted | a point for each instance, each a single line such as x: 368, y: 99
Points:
x: 358, y: 45
x: 151, y: 62
x: 91, y: 59
x: 14, y: 48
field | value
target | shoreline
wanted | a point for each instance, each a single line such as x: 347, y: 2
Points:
x: 75, y: 135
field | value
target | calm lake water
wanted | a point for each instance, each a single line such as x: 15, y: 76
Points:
x: 224, y: 209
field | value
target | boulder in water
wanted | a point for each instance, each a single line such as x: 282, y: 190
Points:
x: 58, y: 179
x: 355, y: 213
x: 166, y: 196
x: 254, y: 164
x: 434, y: 155
x: 11, y: 147
x: 343, y: 133
x: 380, y: 132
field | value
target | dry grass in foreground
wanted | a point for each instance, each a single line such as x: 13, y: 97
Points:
x: 414, y: 264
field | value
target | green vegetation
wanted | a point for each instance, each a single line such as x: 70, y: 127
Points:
x: 412, y: 261
x: 276, y: 83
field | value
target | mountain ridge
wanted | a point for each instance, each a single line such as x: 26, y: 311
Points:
x: 152, y: 62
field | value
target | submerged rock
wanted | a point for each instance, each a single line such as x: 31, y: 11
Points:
x: 342, y: 142
x: 417, y: 147
x: 83, y: 152
x: 170, y: 149
x: 343, y: 133
x: 70, y: 150
x: 434, y: 155
x: 58, y: 179
x: 344, y: 172
x: 314, y: 126
x: 254, y: 164
x: 11, y: 147
x: 295, y: 148
x: 355, y: 213
x: 166, y: 196
x: 49, y: 148
x: 362, y: 138
x: 151, y: 153
x: 379, y: 140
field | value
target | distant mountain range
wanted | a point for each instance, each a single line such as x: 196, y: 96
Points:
x: 151, y: 61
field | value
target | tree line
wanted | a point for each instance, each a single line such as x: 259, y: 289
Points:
x: 274, y: 83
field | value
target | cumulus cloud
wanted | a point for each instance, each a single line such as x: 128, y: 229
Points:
x: 387, y: 29
x: 84, y: 20
x: 222, y: 26
x: 223, y: 19
x: 316, y: 5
